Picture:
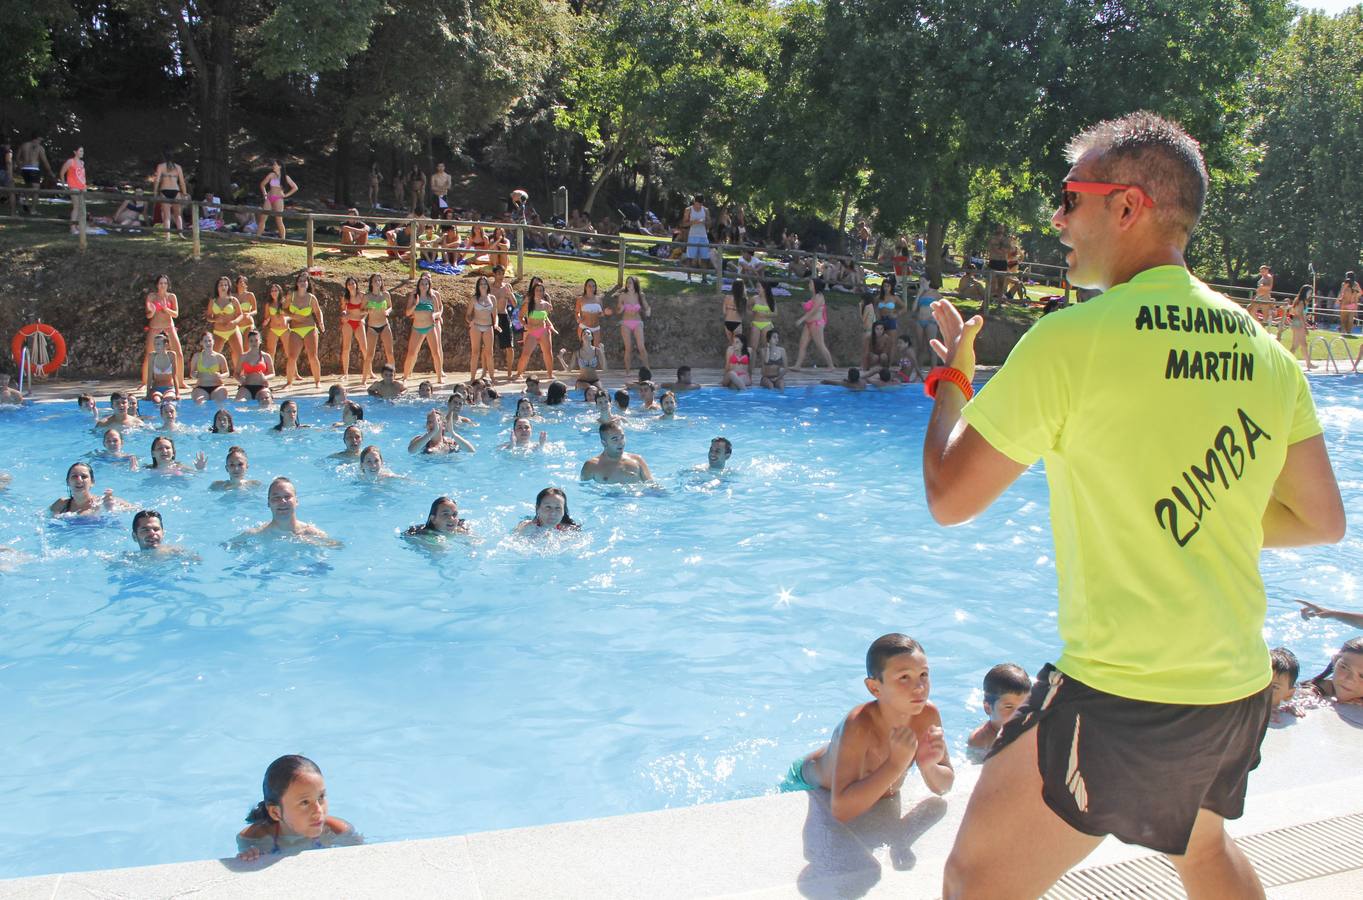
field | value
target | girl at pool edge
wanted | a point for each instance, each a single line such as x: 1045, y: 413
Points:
x: 551, y: 514
x: 1342, y: 679
x: 293, y: 814
x: 442, y: 520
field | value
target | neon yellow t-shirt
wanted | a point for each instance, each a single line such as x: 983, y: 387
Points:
x: 1163, y: 413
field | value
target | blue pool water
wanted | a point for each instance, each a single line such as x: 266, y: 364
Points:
x: 684, y: 648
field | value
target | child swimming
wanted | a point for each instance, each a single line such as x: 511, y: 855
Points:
x: 1342, y: 679
x: 875, y: 745
x: 1005, y: 689
x: 292, y: 817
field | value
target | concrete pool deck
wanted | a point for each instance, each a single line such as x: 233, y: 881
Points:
x: 775, y: 846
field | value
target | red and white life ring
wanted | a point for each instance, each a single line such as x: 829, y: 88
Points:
x: 16, y: 346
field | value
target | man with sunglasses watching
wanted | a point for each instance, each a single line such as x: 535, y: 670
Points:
x: 1179, y: 439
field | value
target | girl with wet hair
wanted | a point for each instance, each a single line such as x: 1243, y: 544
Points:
x: 292, y: 815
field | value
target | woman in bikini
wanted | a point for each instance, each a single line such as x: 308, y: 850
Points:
x: 588, y: 311
x: 502, y: 243
x: 880, y: 350
x: 275, y: 187
x: 163, y: 308
x: 633, y: 307
x: 165, y: 370
x: 1349, y: 292
x: 508, y: 320
x: 276, y: 321
x: 224, y: 314
x: 81, y: 500
x: 539, y: 330
x: 735, y: 303
x: 479, y: 243
x: 1295, y: 318
x: 591, y: 361
x: 254, y: 370
x: 378, y: 306
x: 737, y: 364
x: 763, y: 308
x: 305, y: 325
x: 353, y: 318
x: 169, y: 181
x: 209, y: 366
x: 888, y: 308
x: 814, y: 320
x: 424, y: 308
x: 481, y: 319
x: 773, y: 362
x: 249, y: 308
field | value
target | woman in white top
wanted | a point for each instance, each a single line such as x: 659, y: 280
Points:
x: 696, y: 219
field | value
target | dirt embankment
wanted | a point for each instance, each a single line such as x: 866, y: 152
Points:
x: 96, y: 301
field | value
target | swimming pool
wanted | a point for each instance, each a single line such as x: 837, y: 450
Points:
x: 684, y: 648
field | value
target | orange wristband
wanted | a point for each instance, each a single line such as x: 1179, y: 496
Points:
x: 947, y: 373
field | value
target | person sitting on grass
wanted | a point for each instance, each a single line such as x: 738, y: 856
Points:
x: 874, y: 747
x: 1005, y: 689
x: 292, y: 817
x: 354, y: 232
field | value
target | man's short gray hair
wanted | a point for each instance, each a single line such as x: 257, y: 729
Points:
x: 1154, y: 153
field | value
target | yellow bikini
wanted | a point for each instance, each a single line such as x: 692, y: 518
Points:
x: 304, y: 313
x: 222, y: 310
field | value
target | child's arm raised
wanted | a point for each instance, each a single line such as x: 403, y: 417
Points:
x: 934, y: 763
x: 852, y: 794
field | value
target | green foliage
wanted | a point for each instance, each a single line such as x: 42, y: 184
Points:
x: 305, y: 37
x: 1300, y: 208
x: 26, y: 43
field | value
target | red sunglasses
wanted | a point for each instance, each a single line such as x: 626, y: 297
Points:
x: 1070, y: 191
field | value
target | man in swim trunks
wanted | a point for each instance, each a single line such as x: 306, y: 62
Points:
x: 440, y: 186
x: 1161, y: 602
x: 613, y: 465
x: 387, y: 387
x: 31, y: 159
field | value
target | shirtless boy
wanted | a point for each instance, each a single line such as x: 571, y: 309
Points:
x: 874, y: 747
x: 1005, y: 689
x: 387, y: 387
x: 614, y: 465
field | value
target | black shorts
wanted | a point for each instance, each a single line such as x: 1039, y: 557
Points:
x: 33, y: 177
x: 254, y: 389
x: 1137, y: 770
x: 504, y: 336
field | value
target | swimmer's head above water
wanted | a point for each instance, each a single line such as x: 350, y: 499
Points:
x: 720, y: 451
x: 148, y: 530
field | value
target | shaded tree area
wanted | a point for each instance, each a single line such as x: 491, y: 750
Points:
x: 920, y: 116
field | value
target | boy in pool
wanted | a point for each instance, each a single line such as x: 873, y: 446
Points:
x: 1005, y: 689
x: 874, y: 747
x: 120, y: 418
x: 622, y: 400
x: 683, y: 382
x: 1284, y: 684
x: 387, y: 387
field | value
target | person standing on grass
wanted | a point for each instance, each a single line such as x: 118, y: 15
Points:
x: 1149, y: 723
x: 31, y: 160
x: 169, y: 181
x: 440, y: 187
x: 72, y: 175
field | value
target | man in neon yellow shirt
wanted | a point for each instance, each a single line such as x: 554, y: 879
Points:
x: 1179, y: 439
